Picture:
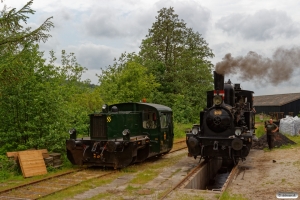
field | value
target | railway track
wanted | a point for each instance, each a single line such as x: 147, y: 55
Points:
x: 182, y: 183
x: 45, y: 187
x: 52, y: 184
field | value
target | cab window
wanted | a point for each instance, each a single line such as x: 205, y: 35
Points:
x: 163, y: 120
x: 149, y: 120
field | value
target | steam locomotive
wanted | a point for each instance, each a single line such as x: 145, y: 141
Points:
x: 227, y: 124
x: 122, y: 134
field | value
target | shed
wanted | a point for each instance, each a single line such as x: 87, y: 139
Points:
x: 278, y: 105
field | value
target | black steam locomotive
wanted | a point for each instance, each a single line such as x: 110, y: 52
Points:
x: 226, y: 125
x: 122, y: 134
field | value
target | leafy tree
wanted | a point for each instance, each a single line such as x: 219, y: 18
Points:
x: 37, y: 110
x: 178, y: 57
x: 126, y: 80
x: 39, y: 102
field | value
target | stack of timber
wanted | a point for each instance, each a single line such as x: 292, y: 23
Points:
x: 53, y: 160
x: 31, y: 161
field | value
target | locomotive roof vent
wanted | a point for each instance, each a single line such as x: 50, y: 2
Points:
x: 237, y: 86
x: 114, y: 109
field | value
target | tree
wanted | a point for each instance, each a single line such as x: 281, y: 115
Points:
x: 39, y: 101
x: 178, y: 57
x: 13, y: 32
x: 43, y: 102
x: 14, y: 38
x: 126, y: 80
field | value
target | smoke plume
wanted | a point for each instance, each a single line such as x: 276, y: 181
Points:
x: 255, y: 67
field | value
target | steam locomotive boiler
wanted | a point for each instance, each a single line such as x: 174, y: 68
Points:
x: 226, y: 125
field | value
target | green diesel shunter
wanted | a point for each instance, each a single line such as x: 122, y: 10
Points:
x: 122, y: 134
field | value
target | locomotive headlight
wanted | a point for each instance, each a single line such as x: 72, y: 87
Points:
x: 72, y: 133
x: 195, y: 131
x: 238, y: 131
x: 217, y: 100
x: 126, y: 132
x: 105, y: 108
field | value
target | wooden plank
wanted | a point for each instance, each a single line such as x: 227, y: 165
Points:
x: 55, y: 155
x: 15, y: 153
x: 12, y: 154
x: 45, y: 155
x: 32, y: 163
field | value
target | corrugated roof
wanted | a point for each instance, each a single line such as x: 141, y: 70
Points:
x: 276, y: 99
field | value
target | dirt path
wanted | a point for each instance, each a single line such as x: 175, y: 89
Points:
x: 264, y: 174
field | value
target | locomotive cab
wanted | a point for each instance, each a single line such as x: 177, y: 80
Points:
x: 122, y: 134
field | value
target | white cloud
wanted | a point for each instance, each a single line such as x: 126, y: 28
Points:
x: 262, y: 25
x: 99, y: 30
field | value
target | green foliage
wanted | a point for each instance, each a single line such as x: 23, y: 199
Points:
x: 177, y: 56
x: 227, y: 196
x: 43, y: 102
x: 39, y: 101
x: 179, y: 129
x: 14, y: 37
x: 260, y: 130
x: 8, y: 168
x: 126, y: 81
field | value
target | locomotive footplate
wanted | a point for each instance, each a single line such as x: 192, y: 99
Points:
x: 229, y: 147
x: 219, y: 147
x: 112, y: 153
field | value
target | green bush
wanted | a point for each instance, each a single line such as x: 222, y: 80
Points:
x: 8, y: 168
x: 179, y: 129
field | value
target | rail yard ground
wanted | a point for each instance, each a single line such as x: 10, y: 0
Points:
x: 261, y: 176
x: 266, y: 173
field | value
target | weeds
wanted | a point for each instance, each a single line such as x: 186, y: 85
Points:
x: 227, y: 196
x: 179, y: 129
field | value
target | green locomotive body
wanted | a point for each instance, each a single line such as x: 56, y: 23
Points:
x: 122, y: 134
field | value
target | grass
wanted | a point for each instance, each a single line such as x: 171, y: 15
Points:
x: 146, y: 172
x: 85, y: 186
x: 145, y: 176
x: 179, y: 130
x: 297, y: 164
x: 188, y: 197
x: 150, y: 171
x: 260, y: 131
x: 104, y: 195
x: 227, y: 196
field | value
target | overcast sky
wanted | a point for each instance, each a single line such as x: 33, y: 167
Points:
x: 98, y: 31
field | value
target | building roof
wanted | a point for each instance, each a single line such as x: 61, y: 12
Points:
x: 276, y: 99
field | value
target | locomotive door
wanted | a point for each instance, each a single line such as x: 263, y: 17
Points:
x: 166, y: 132
x: 150, y: 126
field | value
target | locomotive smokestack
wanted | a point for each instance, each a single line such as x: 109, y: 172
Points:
x: 218, y: 81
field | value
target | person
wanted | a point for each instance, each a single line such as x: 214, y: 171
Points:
x: 270, y: 128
